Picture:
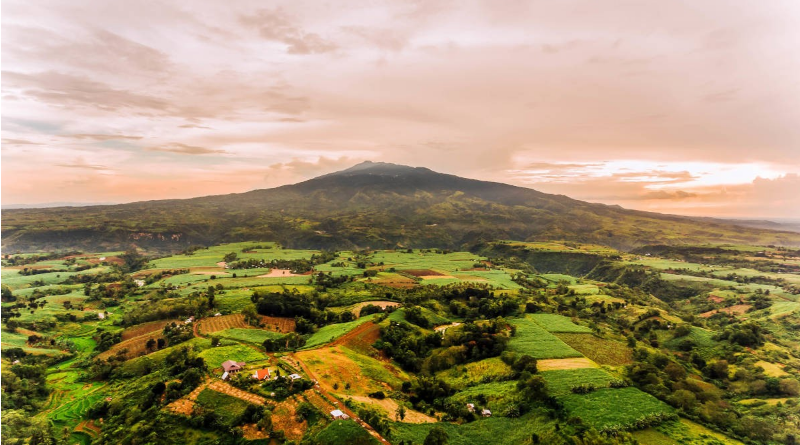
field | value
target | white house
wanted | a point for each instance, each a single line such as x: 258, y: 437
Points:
x: 337, y: 414
x: 486, y: 413
x: 471, y: 407
x: 295, y: 376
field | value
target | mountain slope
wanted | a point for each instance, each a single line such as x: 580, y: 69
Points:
x: 374, y: 205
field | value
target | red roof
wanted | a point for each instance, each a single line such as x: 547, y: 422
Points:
x: 262, y: 374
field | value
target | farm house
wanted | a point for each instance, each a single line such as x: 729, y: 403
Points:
x: 261, y: 374
x: 337, y: 414
x: 232, y: 367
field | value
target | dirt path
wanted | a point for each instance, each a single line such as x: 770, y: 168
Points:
x: 443, y: 328
x: 332, y: 400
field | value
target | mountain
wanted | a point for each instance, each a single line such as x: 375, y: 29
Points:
x: 375, y: 205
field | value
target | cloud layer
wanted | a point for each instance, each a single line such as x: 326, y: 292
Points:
x: 663, y: 106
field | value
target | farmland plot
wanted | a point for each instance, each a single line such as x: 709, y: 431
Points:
x: 534, y: 340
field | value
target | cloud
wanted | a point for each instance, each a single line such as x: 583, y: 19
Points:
x: 176, y: 147
x: 66, y: 90
x: 102, y: 137
x: 83, y: 165
x: 663, y: 194
x: 277, y: 26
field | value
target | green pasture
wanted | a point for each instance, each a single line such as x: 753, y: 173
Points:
x: 558, y: 323
x: 238, y: 353
x: 534, y: 340
x: 462, y: 376
x: 613, y: 408
x: 560, y: 382
x: 493, y: 430
x: 252, y: 336
x: 228, y: 408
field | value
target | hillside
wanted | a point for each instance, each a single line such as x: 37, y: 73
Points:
x: 375, y: 205
x: 556, y: 341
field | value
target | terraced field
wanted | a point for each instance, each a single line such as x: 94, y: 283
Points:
x: 534, y: 340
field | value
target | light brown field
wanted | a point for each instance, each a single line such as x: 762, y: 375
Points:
x: 137, y: 344
x: 331, y: 366
x: 771, y: 369
x: 277, y: 273
x: 737, y: 309
x: 565, y: 363
x: 389, y: 406
x: 423, y: 273
x: 284, y: 418
x: 396, y: 281
x: 381, y: 304
x: 146, y: 328
x: 220, y: 386
x: 215, y: 324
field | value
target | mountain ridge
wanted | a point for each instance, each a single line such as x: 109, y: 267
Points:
x: 369, y: 205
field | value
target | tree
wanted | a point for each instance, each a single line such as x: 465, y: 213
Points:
x: 161, y: 343
x: 401, y: 412
x: 436, y: 436
x: 250, y: 315
x: 230, y: 257
x: 214, y: 341
x: 150, y: 344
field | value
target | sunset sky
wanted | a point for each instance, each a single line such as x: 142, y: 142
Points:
x: 689, y: 107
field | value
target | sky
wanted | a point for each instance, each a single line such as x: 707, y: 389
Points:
x: 686, y: 107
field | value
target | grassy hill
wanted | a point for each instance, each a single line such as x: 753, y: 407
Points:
x: 374, y: 205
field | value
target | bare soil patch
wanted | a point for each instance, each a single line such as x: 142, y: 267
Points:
x: 565, y: 363
x: 398, y: 282
x: 737, y: 309
x: 381, y: 304
x: 278, y: 273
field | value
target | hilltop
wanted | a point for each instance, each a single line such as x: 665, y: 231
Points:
x: 375, y: 205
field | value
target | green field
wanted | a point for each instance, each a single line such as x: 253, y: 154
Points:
x: 560, y: 382
x: 493, y: 430
x: 614, y: 408
x: 240, y: 353
x: 459, y: 377
x: 253, y: 336
x: 228, y: 408
x: 558, y: 323
x: 534, y: 340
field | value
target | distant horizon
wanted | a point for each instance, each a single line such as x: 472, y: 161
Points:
x: 44, y: 205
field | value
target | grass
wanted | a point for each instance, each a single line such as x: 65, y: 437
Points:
x: 240, y: 353
x: 331, y: 332
x: 459, y: 377
x: 253, y: 336
x: 704, y: 345
x: 493, y: 430
x: 600, y: 350
x: 499, y: 396
x: 613, y: 408
x: 560, y: 382
x: 558, y: 323
x: 377, y: 370
x: 534, y: 340
x: 344, y: 431
x: 228, y: 408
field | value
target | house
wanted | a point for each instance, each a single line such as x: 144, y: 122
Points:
x: 486, y: 413
x: 295, y: 376
x: 225, y: 376
x: 15, y: 362
x: 232, y: 367
x: 189, y: 320
x: 337, y: 414
x: 218, y: 314
x: 471, y: 407
x: 261, y: 374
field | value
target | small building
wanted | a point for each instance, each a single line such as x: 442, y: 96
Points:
x: 471, y: 407
x: 337, y: 414
x: 218, y: 314
x: 225, y: 376
x: 486, y: 413
x: 16, y: 362
x: 261, y: 374
x: 189, y: 320
x: 232, y: 367
x: 295, y: 376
